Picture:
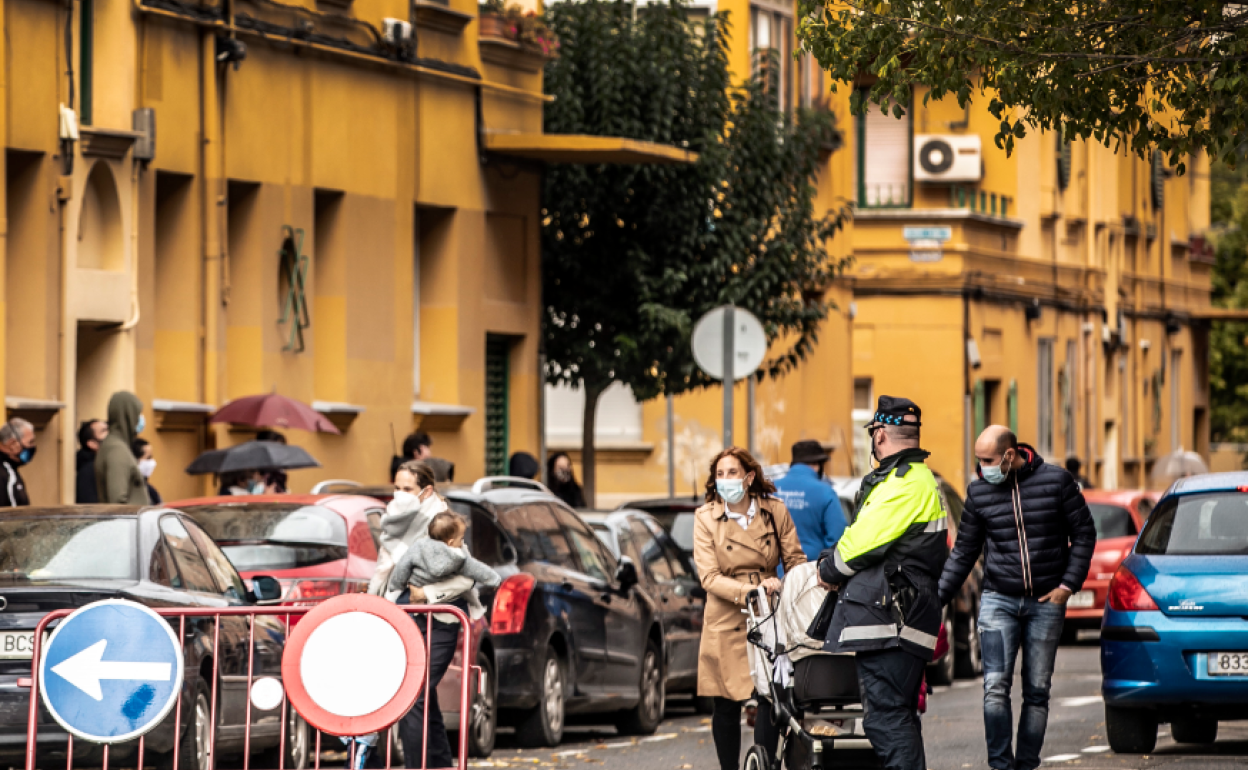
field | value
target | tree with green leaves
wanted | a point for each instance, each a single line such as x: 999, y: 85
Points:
x: 1141, y: 74
x: 1228, y: 340
x: 633, y: 255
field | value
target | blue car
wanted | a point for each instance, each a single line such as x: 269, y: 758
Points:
x: 1174, y: 640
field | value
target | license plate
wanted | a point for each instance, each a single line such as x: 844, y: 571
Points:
x: 16, y: 645
x: 1082, y: 599
x: 1228, y: 664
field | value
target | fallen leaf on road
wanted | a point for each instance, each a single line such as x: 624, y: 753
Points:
x: 685, y: 767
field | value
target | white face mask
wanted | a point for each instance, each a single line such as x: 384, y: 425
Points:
x: 147, y: 467
x: 404, y: 501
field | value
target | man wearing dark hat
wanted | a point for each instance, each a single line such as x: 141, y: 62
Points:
x: 813, y: 504
x: 885, y: 570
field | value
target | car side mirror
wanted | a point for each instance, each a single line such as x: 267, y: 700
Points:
x: 265, y: 590
x: 626, y: 575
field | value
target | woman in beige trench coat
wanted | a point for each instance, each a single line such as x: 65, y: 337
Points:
x: 739, y: 537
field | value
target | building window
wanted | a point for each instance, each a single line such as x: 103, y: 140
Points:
x: 497, y: 418
x: 884, y: 173
x: 813, y: 91
x: 618, y: 418
x: 1044, y: 395
x: 1176, y: 361
x: 771, y: 50
x: 1070, y: 381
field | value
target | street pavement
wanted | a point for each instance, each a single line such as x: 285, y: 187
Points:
x: 953, y: 732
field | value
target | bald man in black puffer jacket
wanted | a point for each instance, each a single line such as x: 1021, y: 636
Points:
x: 1031, y: 518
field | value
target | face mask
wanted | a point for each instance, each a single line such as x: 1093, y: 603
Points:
x: 563, y: 474
x: 142, y: 424
x: 994, y: 474
x: 732, y: 490
x: 404, y: 501
x: 26, y: 455
x: 147, y: 468
x: 257, y: 488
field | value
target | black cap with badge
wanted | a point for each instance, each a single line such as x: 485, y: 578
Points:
x: 891, y: 410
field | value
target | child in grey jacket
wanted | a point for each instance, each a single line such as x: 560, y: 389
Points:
x: 440, y: 556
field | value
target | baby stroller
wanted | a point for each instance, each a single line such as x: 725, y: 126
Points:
x: 813, y: 694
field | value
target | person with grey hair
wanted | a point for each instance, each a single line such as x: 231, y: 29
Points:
x: 17, y: 447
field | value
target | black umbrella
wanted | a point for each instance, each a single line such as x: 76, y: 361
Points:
x: 252, y: 456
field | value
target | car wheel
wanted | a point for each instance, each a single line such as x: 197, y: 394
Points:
x: 941, y: 672
x: 644, y: 718
x: 968, y: 660
x: 483, y: 720
x: 193, y: 750
x: 756, y: 759
x: 1130, y: 731
x: 543, y: 726
x: 297, y: 741
x: 1194, y: 730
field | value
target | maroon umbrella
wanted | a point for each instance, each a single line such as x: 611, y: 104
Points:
x: 273, y: 411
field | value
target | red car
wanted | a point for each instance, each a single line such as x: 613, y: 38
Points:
x: 319, y: 546
x: 1119, y: 515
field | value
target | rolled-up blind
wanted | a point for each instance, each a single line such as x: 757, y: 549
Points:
x: 886, y: 159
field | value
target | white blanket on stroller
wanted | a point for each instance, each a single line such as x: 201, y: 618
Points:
x: 800, y: 601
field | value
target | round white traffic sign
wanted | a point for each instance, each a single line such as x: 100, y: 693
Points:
x: 749, y: 343
x: 354, y: 665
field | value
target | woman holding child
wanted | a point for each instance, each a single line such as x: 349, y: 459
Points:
x: 423, y: 561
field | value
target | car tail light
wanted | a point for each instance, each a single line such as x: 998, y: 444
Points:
x: 1127, y: 595
x: 306, y: 593
x: 511, y: 602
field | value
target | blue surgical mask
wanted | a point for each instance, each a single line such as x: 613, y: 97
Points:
x: 992, y: 473
x: 732, y: 490
x: 142, y: 424
x: 257, y: 487
x: 26, y: 455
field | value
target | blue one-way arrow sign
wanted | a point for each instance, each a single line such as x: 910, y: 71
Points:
x: 111, y: 671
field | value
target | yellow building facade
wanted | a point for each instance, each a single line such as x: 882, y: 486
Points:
x: 334, y: 200
x: 1063, y: 290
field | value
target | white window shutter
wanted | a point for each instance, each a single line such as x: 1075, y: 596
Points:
x: 886, y: 178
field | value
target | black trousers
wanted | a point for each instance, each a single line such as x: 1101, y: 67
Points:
x: 726, y: 730
x: 443, y: 639
x: 890, y: 681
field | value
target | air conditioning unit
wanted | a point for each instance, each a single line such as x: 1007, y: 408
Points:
x: 396, y: 31
x: 948, y: 158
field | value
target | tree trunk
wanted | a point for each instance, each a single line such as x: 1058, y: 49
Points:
x: 589, y: 422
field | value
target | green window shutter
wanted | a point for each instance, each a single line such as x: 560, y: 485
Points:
x: 497, y: 418
x: 981, y: 408
x: 1063, y: 163
x: 1012, y: 406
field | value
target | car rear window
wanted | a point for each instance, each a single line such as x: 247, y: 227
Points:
x: 56, y: 549
x: 274, y: 535
x: 1214, y: 523
x: 1111, y: 521
x: 682, y: 531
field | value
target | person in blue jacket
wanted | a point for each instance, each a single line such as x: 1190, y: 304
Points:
x: 811, y: 500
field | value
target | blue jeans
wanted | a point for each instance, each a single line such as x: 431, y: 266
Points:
x: 1005, y: 624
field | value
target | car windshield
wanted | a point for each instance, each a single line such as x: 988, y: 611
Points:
x: 1111, y: 521
x: 57, y: 549
x: 1210, y: 524
x: 274, y: 536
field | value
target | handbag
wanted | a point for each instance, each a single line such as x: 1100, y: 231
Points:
x: 818, y: 628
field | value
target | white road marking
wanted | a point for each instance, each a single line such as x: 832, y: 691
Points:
x: 660, y: 737
x: 1085, y: 700
x: 1095, y: 749
x: 1061, y: 758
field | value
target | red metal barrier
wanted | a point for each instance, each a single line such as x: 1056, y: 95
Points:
x: 285, y: 613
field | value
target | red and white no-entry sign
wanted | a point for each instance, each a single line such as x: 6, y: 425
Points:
x: 354, y: 665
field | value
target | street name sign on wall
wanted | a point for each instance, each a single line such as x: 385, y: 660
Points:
x: 111, y: 671
x: 354, y: 665
x: 926, y: 242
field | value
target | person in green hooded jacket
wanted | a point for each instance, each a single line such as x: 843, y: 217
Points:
x: 116, y: 472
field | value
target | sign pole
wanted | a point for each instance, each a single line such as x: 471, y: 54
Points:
x: 730, y: 352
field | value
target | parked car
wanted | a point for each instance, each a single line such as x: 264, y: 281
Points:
x: 668, y: 576
x: 675, y: 515
x: 317, y: 546
x: 320, y: 546
x: 1174, y: 644
x: 1119, y: 516
x: 570, y: 633
x: 70, y: 556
